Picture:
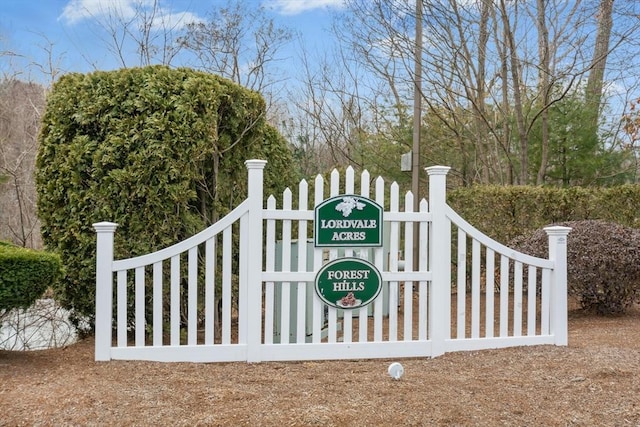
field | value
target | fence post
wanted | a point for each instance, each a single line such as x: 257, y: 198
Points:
x: 104, y: 288
x: 558, y: 253
x: 439, y: 260
x: 253, y: 304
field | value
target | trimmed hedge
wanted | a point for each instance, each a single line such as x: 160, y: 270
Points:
x: 25, y: 275
x: 507, y: 212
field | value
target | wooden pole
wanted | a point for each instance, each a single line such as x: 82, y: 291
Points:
x: 417, y: 113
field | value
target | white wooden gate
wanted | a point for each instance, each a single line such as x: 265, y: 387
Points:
x: 241, y: 290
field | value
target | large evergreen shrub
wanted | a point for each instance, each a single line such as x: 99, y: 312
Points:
x: 159, y: 151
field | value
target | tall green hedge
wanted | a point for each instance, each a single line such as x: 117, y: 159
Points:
x: 159, y: 151
x: 506, y: 212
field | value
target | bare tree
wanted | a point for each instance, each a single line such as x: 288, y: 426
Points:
x: 143, y: 34
x: 493, y: 70
x: 346, y: 113
x: 51, y: 68
x: 21, y: 106
x: 240, y: 42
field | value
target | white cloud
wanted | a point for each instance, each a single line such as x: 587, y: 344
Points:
x: 175, y: 20
x: 79, y: 10
x: 294, y: 7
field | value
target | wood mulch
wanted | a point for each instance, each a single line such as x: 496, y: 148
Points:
x: 593, y: 381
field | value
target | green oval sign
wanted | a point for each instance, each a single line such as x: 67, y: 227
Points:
x: 348, y: 283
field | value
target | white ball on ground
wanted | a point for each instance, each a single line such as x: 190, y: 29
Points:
x: 395, y: 370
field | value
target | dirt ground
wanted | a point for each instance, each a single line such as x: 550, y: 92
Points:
x: 595, y: 381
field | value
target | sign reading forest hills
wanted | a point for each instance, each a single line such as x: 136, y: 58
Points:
x: 348, y: 283
x: 348, y: 220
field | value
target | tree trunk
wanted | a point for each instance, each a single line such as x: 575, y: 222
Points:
x: 599, y: 61
x: 544, y: 72
x: 506, y: 110
x: 481, y: 93
x: 517, y: 95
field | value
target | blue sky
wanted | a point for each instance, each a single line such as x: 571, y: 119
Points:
x: 68, y: 28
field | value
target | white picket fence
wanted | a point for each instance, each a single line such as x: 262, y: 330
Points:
x: 242, y: 290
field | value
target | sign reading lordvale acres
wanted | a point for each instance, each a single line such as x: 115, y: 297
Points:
x: 348, y: 221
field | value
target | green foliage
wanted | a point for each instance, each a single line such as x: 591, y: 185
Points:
x: 603, y: 263
x: 506, y: 212
x: 577, y: 154
x: 159, y: 151
x: 25, y: 274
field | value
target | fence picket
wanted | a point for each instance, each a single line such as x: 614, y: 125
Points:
x: 285, y: 287
x: 408, y: 266
x: 475, y: 289
x: 175, y: 301
x: 461, y: 288
x: 301, y: 326
x: 379, y: 263
x: 334, y: 189
x: 192, y: 296
x: 243, y: 281
x: 504, y: 296
x: 347, y: 326
x: 423, y: 265
x: 517, y: 299
x: 121, y: 300
x: 140, y: 323
x: 394, y: 240
x: 226, y: 285
x: 318, y: 306
x: 157, y: 303
x: 270, y: 265
x: 490, y: 259
x: 531, y: 301
x: 210, y: 292
x: 349, y: 181
x: 363, y: 312
x: 545, y: 312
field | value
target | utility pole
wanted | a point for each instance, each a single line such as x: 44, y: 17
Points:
x: 417, y: 108
x: 417, y: 116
